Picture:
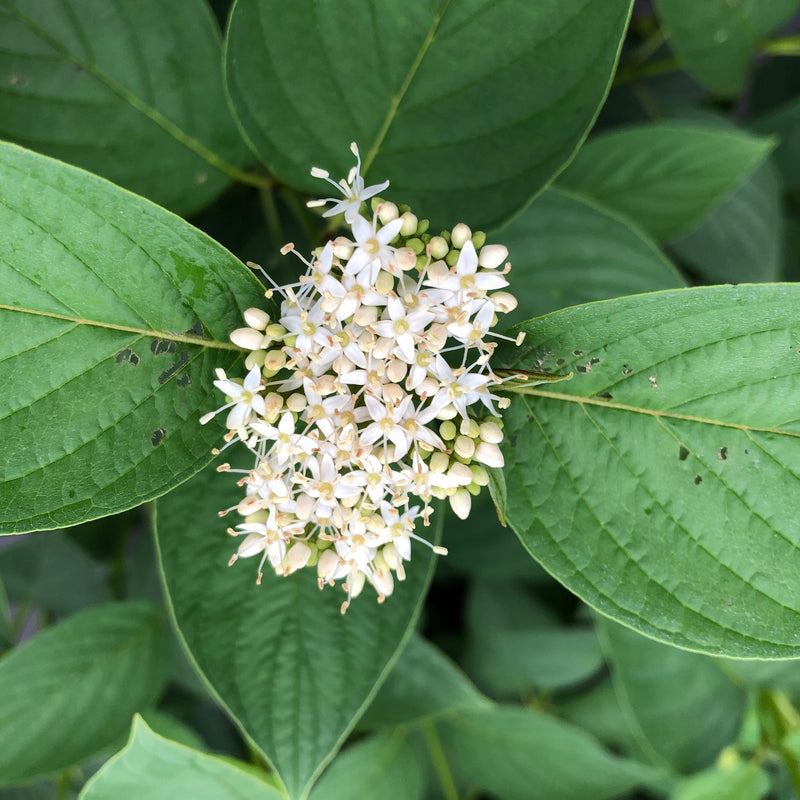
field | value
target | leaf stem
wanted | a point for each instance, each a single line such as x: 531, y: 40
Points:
x: 168, y: 335
x: 439, y: 760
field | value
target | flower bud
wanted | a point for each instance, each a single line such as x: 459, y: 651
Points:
x: 439, y: 462
x: 461, y: 503
x: 409, y: 226
x: 461, y: 473
x: 438, y: 272
x: 480, y: 476
x: 256, y: 318
x: 405, y: 258
x: 327, y: 564
x: 492, y: 256
x: 460, y: 235
x: 491, y: 432
x: 342, y: 248
x: 387, y: 212
x: 255, y: 358
x: 489, y: 454
x: 296, y: 402
x: 247, y: 338
x: 448, y: 431
x: 439, y: 247
x: 503, y: 301
x: 464, y: 447
x: 296, y: 557
x: 478, y: 239
x: 396, y: 370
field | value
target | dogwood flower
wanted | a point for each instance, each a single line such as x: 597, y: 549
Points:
x: 368, y: 396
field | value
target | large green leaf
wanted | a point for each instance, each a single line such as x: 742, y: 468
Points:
x: 738, y: 781
x: 383, y: 766
x: 159, y: 769
x: 72, y: 689
x: 508, y: 751
x: 566, y: 250
x: 132, y: 91
x: 53, y: 573
x: 714, y: 40
x: 423, y: 683
x: 292, y: 670
x: 661, y: 483
x: 741, y: 240
x: 664, y: 176
x: 517, y: 645
x: 469, y: 107
x: 682, y: 706
x: 784, y: 122
x: 114, y: 313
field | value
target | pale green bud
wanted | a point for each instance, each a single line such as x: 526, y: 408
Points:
x: 460, y: 235
x: 439, y: 247
x: 410, y: 222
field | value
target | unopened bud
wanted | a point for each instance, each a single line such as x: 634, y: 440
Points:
x: 342, y: 248
x: 438, y: 272
x: 489, y: 454
x: 464, y: 446
x: 461, y: 503
x: 396, y: 370
x: 387, y: 212
x: 503, y: 301
x: 460, y: 235
x: 405, y: 258
x: 247, y: 338
x: 296, y: 402
x: 409, y: 226
x: 491, y: 432
x: 439, y: 462
x: 492, y: 256
x: 448, y: 431
x: 461, y: 473
x: 256, y: 318
x: 255, y: 358
x: 480, y: 477
x: 478, y: 239
x: 439, y: 247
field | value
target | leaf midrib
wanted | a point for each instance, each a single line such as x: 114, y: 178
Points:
x: 168, y: 335
x: 650, y: 412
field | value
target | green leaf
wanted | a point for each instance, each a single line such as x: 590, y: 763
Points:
x: 116, y: 313
x: 741, y: 240
x: 784, y: 123
x: 383, y: 766
x: 567, y: 250
x: 6, y: 637
x: 682, y: 706
x: 423, y: 683
x: 440, y: 97
x: 159, y: 769
x: 715, y: 41
x: 54, y: 573
x: 517, y: 645
x: 739, y: 781
x: 292, y: 671
x: 665, y: 176
x: 507, y: 751
x: 660, y: 484
x: 132, y: 91
x: 72, y: 689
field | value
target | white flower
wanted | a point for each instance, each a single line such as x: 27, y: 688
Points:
x: 353, y: 190
x: 245, y: 399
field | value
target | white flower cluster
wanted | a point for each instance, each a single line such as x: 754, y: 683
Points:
x: 370, y: 390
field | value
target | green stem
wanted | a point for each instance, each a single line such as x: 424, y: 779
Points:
x: 271, y: 218
x: 439, y: 760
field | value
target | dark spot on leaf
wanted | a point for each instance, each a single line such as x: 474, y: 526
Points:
x: 746, y: 452
x: 580, y: 368
x: 648, y: 511
x: 683, y: 453
x: 196, y: 330
x: 127, y: 356
x: 160, y: 346
x: 157, y: 437
x: 606, y: 395
x: 560, y: 362
x: 722, y: 453
x: 72, y: 493
x: 512, y: 440
x: 698, y: 480
x: 531, y: 418
x: 577, y: 353
x: 594, y: 360
x: 626, y: 370
x: 184, y: 380
x: 170, y: 371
